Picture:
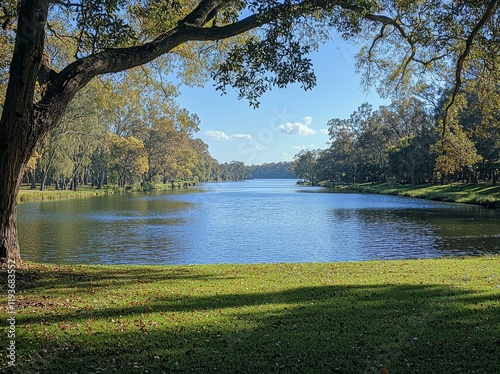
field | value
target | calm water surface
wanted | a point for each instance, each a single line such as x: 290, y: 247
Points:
x: 251, y: 222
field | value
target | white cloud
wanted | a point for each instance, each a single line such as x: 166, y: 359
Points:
x: 301, y: 147
x: 286, y: 157
x: 241, y: 136
x: 217, y: 135
x: 297, y: 128
x: 259, y: 146
x: 324, y: 131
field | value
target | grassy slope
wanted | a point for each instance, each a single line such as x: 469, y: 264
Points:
x: 26, y: 194
x: 418, y: 316
x: 485, y: 195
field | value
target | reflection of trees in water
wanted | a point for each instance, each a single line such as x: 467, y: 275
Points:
x: 105, y: 230
x: 385, y: 234
x: 422, y: 232
x: 252, y: 221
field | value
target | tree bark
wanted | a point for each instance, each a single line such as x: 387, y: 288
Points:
x: 32, y: 178
x: 75, y: 182
x: 86, y: 175
x: 18, y: 133
x: 11, y: 173
x: 45, y: 170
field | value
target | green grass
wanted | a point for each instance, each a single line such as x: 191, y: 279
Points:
x: 27, y: 195
x: 418, y: 316
x: 485, y: 195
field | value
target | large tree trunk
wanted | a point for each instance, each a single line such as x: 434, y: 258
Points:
x: 18, y: 131
x: 11, y: 170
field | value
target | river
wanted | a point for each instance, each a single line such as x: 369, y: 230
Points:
x: 252, y: 221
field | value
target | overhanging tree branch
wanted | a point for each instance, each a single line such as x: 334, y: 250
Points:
x: 463, y: 56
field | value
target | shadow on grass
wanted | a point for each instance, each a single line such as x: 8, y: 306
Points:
x: 75, y: 278
x: 312, y: 329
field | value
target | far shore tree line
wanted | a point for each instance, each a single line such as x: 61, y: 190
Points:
x: 403, y: 142
x: 112, y: 143
x: 121, y: 134
x: 281, y: 169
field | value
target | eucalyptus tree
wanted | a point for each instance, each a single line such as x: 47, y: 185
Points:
x: 280, y: 169
x: 371, y: 136
x: 372, y: 146
x: 326, y: 166
x: 69, y: 146
x: 150, y: 114
x: 180, y: 158
x: 187, y: 159
x: 484, y: 131
x: 344, y: 134
x: 206, y: 166
x: 127, y: 158
x: 414, y: 124
x: 160, y: 146
x: 411, y: 161
x: 110, y: 36
x: 480, y: 117
x: 304, y: 165
x: 455, y: 153
x: 344, y: 153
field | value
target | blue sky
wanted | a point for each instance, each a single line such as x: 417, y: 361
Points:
x: 287, y: 120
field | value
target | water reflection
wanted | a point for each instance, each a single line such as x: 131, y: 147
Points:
x: 249, y: 222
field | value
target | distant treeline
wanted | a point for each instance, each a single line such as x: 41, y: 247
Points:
x: 406, y: 142
x: 271, y: 170
x: 127, y: 138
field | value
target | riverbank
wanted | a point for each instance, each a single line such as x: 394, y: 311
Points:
x: 419, y: 316
x: 26, y: 194
x: 484, y: 195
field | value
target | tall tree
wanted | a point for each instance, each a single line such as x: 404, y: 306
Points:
x: 304, y: 165
x: 109, y: 38
x: 128, y: 159
x: 206, y: 167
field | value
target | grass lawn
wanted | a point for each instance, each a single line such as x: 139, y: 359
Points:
x: 417, y: 316
x: 485, y: 195
x: 26, y: 194
x: 50, y: 193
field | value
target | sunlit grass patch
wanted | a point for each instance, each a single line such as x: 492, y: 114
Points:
x: 485, y: 195
x: 435, y: 316
x: 26, y: 194
x: 50, y: 193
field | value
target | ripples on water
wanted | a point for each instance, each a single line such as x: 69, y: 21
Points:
x: 250, y: 222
